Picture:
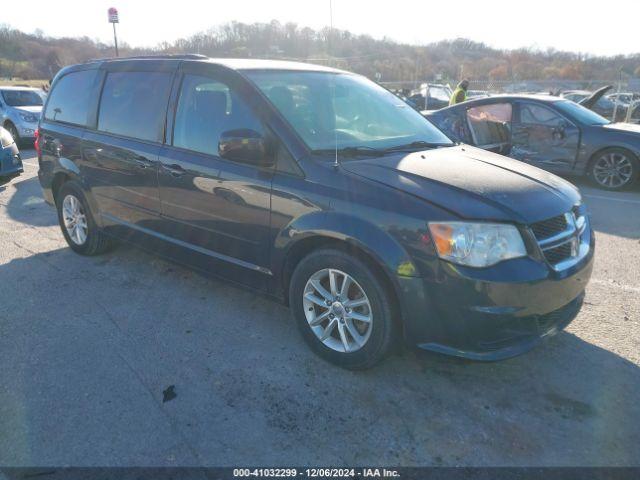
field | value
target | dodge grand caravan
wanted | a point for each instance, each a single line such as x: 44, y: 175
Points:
x: 321, y: 189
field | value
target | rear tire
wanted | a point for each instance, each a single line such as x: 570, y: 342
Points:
x: 352, y: 341
x: 614, y: 169
x: 77, y: 223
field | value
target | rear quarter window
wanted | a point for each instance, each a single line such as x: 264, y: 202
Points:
x: 70, y: 99
x: 133, y: 104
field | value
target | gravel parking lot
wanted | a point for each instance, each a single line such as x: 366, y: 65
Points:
x: 89, y: 345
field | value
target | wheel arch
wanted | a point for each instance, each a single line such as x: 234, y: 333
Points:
x: 59, y: 179
x: 365, y: 241
x: 68, y: 171
x: 633, y: 156
x: 599, y: 151
x: 8, y: 123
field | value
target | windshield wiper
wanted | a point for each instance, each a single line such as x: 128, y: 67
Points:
x: 416, y: 145
x: 353, y: 151
x: 362, y: 150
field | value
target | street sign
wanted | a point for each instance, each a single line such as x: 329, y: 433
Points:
x: 113, y: 19
x: 113, y: 15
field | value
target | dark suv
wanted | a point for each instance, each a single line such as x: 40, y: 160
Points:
x: 321, y: 189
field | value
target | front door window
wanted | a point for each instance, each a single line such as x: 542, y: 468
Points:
x: 542, y: 135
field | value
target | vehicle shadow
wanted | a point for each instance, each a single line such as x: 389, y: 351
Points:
x: 243, y: 374
x: 27, y: 205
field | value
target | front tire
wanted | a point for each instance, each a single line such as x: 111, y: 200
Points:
x: 614, y: 169
x: 13, y: 131
x: 343, y: 310
x: 77, y: 223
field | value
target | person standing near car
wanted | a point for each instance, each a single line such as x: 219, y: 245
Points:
x: 460, y: 93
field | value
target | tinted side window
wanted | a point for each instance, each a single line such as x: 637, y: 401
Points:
x: 537, y: 115
x: 206, y: 109
x: 69, y: 100
x: 133, y: 104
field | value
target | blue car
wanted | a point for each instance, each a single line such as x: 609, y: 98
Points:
x: 10, y: 161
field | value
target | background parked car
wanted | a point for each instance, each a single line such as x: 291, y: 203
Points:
x: 20, y: 109
x: 471, y: 94
x: 598, y: 102
x: 431, y: 96
x: 631, y: 102
x: 10, y: 162
x: 624, y: 98
x: 548, y: 132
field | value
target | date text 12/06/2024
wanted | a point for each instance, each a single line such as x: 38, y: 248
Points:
x: 316, y: 472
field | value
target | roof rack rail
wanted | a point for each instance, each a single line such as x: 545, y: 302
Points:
x: 160, y: 56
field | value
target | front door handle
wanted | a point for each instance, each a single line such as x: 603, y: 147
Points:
x: 174, y: 169
x: 143, y: 162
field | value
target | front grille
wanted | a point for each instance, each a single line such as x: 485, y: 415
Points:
x: 558, y: 254
x: 550, y: 227
x: 559, y: 236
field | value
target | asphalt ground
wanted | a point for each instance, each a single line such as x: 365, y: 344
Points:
x: 89, y: 345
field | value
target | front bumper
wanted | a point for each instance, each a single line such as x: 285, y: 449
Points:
x: 27, y: 131
x: 492, y: 314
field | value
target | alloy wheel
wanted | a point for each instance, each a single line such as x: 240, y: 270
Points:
x: 75, y: 220
x: 613, y: 170
x: 338, y: 310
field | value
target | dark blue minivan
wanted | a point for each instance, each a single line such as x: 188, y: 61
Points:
x: 320, y: 189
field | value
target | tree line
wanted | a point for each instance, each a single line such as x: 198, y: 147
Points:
x: 37, y: 56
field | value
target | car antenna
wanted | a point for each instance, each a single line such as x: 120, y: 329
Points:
x: 336, y: 163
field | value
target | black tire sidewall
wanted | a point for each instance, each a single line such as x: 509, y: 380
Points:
x: 381, y: 337
x: 73, y: 188
x: 634, y: 164
x: 13, y: 131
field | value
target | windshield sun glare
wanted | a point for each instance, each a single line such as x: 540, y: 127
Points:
x: 334, y: 110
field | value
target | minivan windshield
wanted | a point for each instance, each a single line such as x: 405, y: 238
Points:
x: 344, y: 111
x: 22, y: 98
x: 580, y: 113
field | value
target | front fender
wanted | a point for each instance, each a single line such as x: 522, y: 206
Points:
x: 370, y: 238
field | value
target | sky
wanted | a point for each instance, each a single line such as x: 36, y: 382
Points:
x: 561, y: 24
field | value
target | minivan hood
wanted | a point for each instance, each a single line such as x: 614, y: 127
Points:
x: 473, y: 183
x: 31, y: 109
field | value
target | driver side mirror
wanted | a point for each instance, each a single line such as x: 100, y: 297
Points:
x: 247, y: 146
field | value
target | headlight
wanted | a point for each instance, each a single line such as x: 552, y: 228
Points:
x: 5, y: 138
x: 477, y: 244
x: 28, y: 117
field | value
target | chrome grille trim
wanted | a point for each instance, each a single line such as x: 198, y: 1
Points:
x: 559, y: 238
x: 551, y: 247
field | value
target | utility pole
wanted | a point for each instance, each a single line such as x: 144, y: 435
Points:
x: 113, y: 19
